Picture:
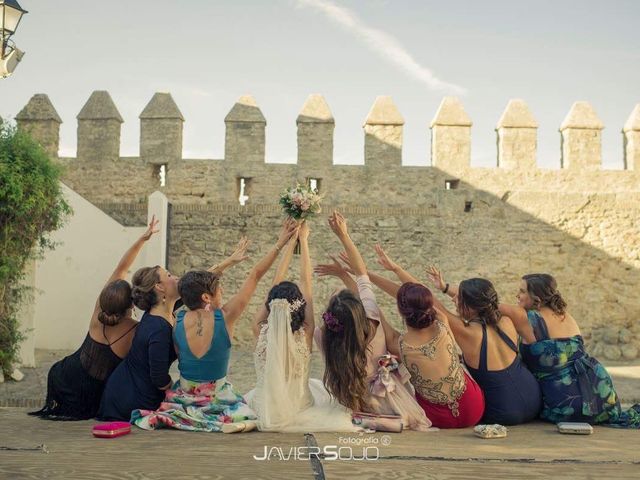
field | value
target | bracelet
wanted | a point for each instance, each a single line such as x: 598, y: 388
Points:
x: 278, y: 248
x: 446, y: 289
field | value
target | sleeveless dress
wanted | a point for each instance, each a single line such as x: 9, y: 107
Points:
x: 75, y: 383
x: 452, y: 401
x: 390, y: 389
x: 575, y: 386
x: 137, y: 381
x: 314, y: 410
x: 202, y: 400
x: 512, y: 395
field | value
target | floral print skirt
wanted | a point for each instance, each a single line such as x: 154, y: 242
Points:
x: 199, y: 407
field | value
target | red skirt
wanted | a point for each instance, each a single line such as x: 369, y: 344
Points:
x: 470, y: 408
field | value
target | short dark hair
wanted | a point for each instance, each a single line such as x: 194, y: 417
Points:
x: 193, y: 284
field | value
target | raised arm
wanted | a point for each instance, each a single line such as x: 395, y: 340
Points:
x: 130, y: 255
x: 239, y: 255
x: 336, y: 269
x: 283, y: 265
x: 388, y: 286
x: 236, y: 304
x: 435, y: 276
x: 436, y: 279
x: 391, y: 335
x: 388, y: 264
x: 281, y: 273
x: 305, y: 283
x: 338, y: 225
x: 121, y: 270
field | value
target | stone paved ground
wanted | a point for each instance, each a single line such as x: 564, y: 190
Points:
x: 534, y: 450
x: 31, y: 391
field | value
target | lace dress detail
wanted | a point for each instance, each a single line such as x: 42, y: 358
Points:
x: 448, y: 388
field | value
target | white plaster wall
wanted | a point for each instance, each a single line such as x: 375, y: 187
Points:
x: 68, y: 279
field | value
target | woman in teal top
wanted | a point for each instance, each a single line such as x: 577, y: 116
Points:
x: 575, y: 386
x: 213, y: 364
x: 203, y: 399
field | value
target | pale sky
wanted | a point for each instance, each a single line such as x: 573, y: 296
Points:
x: 209, y: 53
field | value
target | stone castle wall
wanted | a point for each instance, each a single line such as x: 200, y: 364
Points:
x: 579, y: 223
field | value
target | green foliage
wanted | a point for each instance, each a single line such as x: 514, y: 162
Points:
x: 31, y: 206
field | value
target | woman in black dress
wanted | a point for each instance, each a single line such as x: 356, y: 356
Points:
x: 75, y: 383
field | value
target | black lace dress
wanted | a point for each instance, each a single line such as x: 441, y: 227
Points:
x: 75, y: 383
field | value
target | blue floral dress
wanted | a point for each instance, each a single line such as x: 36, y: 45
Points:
x: 575, y: 386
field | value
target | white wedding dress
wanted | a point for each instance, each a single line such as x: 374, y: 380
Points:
x: 285, y: 399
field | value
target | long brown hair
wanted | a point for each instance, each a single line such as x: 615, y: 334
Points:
x: 345, y: 351
x: 543, y: 290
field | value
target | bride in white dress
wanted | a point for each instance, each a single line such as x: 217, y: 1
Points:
x: 285, y: 399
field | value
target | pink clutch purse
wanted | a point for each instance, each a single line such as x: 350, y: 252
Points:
x: 111, y: 429
x: 379, y: 423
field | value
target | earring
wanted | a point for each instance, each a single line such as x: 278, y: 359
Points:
x: 207, y: 307
x: 164, y: 299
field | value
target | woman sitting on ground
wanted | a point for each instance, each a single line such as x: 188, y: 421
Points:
x: 285, y: 398
x: 488, y: 341
x: 203, y: 399
x: 359, y: 371
x: 575, y: 386
x: 449, y: 396
x: 75, y: 383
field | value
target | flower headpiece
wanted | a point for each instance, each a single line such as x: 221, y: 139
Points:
x: 332, y: 322
x: 296, y: 305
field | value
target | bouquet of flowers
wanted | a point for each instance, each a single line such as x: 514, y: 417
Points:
x: 300, y: 202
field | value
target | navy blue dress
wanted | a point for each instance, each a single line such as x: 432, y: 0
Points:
x: 512, y: 395
x: 136, y: 382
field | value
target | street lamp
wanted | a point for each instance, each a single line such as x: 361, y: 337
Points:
x: 10, y: 14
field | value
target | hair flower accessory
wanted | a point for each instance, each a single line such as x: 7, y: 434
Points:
x: 296, y: 305
x: 332, y: 322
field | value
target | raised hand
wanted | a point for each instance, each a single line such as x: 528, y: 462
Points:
x: 384, y: 260
x: 151, y: 229
x: 333, y: 269
x: 240, y: 253
x: 288, y: 230
x: 435, y: 277
x: 338, y: 224
x: 347, y: 262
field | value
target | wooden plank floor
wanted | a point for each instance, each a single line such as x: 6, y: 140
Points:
x: 532, y: 451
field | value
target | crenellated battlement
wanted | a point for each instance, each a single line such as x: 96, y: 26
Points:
x: 99, y: 172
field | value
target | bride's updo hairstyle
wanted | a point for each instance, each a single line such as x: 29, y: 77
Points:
x: 415, y: 304
x: 290, y: 292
